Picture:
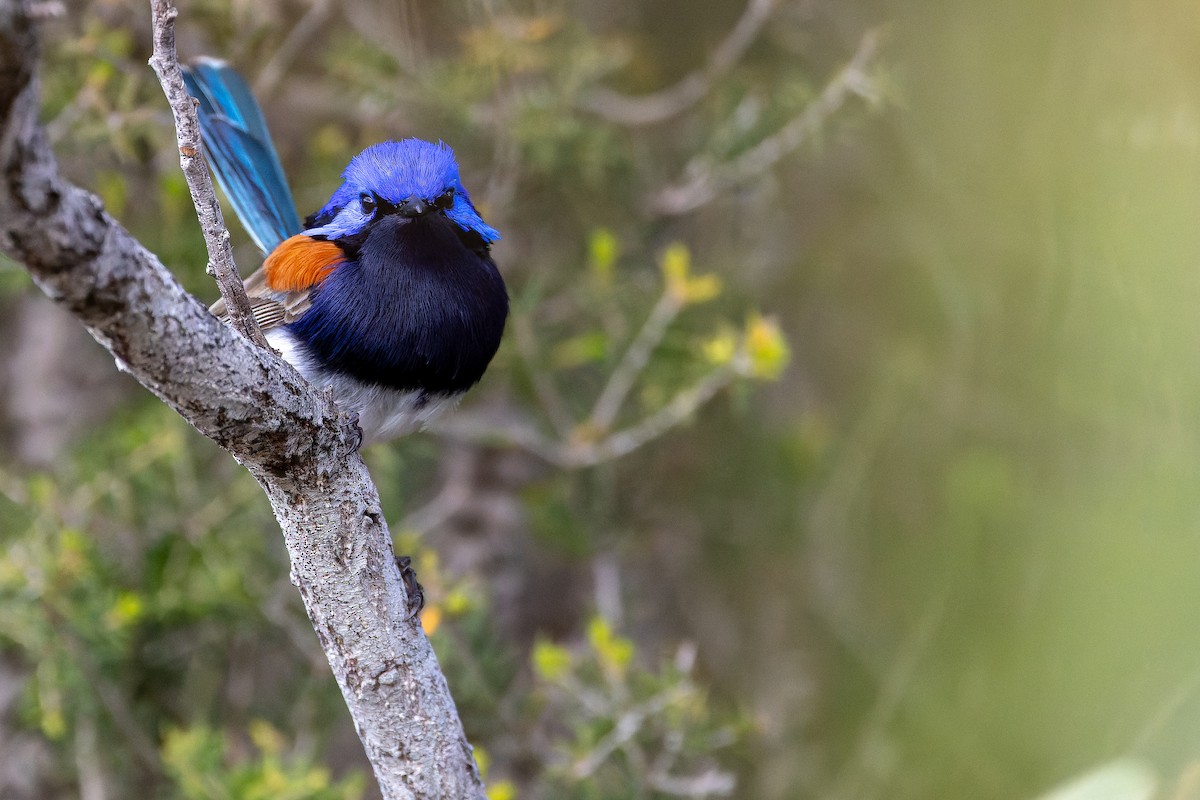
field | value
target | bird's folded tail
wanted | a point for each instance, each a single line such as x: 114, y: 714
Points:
x: 238, y: 146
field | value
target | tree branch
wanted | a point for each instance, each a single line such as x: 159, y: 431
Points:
x: 221, y: 266
x: 291, y: 438
x: 662, y: 105
x: 309, y: 26
x: 703, y: 179
x: 575, y: 452
x: 634, y: 362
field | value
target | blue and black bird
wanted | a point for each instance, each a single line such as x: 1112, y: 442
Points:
x: 388, y: 294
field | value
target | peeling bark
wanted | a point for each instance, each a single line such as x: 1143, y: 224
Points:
x: 291, y: 438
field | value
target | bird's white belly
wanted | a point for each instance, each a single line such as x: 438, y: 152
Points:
x: 383, y: 413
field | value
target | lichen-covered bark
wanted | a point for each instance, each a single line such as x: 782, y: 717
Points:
x: 291, y: 438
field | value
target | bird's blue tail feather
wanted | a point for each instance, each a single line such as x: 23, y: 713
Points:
x: 239, y: 149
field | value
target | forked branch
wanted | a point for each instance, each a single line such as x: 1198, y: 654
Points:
x: 221, y: 266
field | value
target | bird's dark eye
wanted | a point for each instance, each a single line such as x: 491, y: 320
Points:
x: 445, y: 200
x: 367, y: 201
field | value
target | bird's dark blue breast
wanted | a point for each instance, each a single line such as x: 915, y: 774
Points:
x: 416, y: 309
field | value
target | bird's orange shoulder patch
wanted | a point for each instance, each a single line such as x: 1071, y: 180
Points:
x: 299, y: 263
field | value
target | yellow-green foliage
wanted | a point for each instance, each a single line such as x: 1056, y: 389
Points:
x: 611, y: 717
x: 197, y: 759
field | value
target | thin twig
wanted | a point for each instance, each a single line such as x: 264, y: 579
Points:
x: 631, y: 365
x: 467, y: 427
x: 393, y: 27
x: 47, y: 9
x: 448, y: 502
x: 711, y: 782
x: 892, y: 692
x: 626, y: 728
x: 221, y: 266
x: 662, y: 105
x: 13, y: 488
x: 311, y: 24
x: 116, y: 706
x: 92, y: 780
x: 704, y: 180
x: 673, y: 414
x: 579, y: 454
x: 549, y: 398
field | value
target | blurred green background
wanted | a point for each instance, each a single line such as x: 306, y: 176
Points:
x: 948, y: 548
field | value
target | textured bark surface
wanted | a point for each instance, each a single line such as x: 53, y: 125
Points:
x: 292, y: 439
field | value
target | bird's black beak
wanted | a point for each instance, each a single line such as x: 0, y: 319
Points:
x: 413, y: 207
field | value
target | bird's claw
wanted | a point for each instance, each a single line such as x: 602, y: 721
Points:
x: 416, y: 594
x: 356, y: 432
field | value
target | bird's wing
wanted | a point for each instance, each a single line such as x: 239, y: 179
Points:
x: 281, y: 291
x: 238, y: 146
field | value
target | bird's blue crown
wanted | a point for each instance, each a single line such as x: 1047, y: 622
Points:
x: 395, y: 171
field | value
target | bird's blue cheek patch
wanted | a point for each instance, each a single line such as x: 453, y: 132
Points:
x: 349, y: 220
x: 463, y: 215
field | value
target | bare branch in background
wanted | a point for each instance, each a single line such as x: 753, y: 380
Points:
x: 550, y: 399
x: 704, y: 179
x: 309, y: 26
x: 452, y: 497
x: 291, y: 439
x: 593, y: 442
x: 683, y: 406
x: 662, y: 105
x: 394, y: 26
x: 634, y: 362
x: 221, y: 266
x: 631, y: 723
x: 576, y: 453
